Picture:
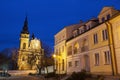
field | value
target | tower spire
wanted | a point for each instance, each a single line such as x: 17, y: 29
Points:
x: 25, y: 26
x: 33, y: 36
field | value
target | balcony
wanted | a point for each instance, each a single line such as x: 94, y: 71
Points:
x: 84, y: 48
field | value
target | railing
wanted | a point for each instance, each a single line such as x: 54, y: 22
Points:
x: 84, y: 48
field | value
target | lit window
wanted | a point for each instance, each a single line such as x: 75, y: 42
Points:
x: 76, y: 63
x: 69, y: 64
x: 105, y: 34
x: 76, y: 47
x: 95, y: 38
x: 96, y: 59
x: 107, y: 57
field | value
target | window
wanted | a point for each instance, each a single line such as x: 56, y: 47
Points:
x: 76, y: 63
x: 56, y: 67
x: 75, y: 33
x: 84, y: 45
x: 69, y: 64
x: 107, y: 57
x: 24, y: 45
x: 62, y: 48
x: 81, y: 30
x: 88, y: 27
x: 96, y: 59
x: 63, y: 36
x: 105, y: 34
x: 76, y: 47
x: 69, y: 50
x: 103, y: 19
x: 108, y: 16
x: 95, y: 38
x: 59, y: 51
x: 63, y: 64
x: 23, y: 59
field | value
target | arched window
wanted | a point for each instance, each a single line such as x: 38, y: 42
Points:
x: 23, y: 58
x: 76, y: 47
x: 24, y: 45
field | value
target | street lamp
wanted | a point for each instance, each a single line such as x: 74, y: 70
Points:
x: 58, y: 64
x: 54, y: 56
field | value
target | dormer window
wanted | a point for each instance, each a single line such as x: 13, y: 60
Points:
x: 103, y: 19
x: 75, y: 33
x: 81, y: 30
x: 88, y: 27
x: 108, y: 16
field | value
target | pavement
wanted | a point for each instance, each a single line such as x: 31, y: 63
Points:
x: 22, y: 78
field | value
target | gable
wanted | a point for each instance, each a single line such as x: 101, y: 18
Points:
x: 105, y: 9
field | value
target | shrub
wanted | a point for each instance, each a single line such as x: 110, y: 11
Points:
x: 79, y: 76
x: 100, y: 77
x: 50, y: 75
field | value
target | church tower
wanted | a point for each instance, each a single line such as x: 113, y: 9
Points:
x: 24, y: 36
x: 24, y: 48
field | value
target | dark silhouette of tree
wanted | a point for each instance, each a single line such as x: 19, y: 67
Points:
x: 47, y: 60
x: 3, y: 61
x: 47, y: 49
x: 14, y: 58
x: 9, y: 57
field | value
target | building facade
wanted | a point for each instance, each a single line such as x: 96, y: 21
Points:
x: 93, y: 45
x: 30, y: 50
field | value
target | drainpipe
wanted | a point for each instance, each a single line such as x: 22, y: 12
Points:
x: 66, y: 57
x: 112, y: 48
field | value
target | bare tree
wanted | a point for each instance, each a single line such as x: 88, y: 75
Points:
x: 14, y: 58
x: 47, y: 49
x: 47, y: 53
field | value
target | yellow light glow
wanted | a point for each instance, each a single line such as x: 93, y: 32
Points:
x: 54, y: 55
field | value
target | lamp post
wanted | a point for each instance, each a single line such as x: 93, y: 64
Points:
x: 54, y: 57
x: 58, y: 64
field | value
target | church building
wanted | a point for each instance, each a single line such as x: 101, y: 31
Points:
x: 30, y: 50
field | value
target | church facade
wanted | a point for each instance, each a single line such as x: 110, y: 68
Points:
x: 30, y: 50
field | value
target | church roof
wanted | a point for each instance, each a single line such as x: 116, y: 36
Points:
x: 25, y: 27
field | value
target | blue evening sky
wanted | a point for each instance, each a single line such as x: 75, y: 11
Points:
x: 45, y: 17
